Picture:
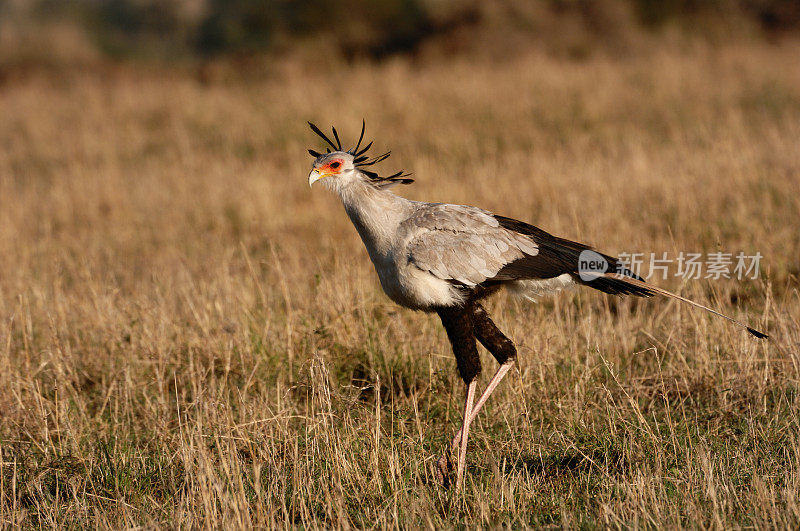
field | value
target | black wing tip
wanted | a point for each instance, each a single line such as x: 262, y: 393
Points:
x: 759, y: 335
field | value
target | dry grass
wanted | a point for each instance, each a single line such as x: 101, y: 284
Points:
x: 190, y: 337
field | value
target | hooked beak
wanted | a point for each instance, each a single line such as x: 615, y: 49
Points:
x: 315, y: 176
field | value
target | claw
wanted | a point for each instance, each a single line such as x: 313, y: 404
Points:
x: 444, y: 466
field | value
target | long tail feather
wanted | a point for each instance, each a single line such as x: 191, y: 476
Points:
x: 660, y: 291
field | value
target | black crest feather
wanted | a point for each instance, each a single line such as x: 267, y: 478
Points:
x: 360, y: 158
x: 321, y: 134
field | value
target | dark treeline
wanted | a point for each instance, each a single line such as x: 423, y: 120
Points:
x: 377, y: 28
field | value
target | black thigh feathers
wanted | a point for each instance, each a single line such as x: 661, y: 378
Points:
x: 457, y: 322
x: 465, y: 324
x: 501, y: 347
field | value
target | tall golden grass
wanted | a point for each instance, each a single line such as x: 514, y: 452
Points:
x: 189, y: 336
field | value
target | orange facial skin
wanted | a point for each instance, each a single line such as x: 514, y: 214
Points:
x: 331, y: 168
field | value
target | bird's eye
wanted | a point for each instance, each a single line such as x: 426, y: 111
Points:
x: 335, y: 165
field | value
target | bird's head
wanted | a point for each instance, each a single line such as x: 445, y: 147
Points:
x: 336, y: 166
x: 341, y: 167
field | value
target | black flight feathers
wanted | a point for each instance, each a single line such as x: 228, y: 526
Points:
x: 360, y: 158
x: 558, y: 256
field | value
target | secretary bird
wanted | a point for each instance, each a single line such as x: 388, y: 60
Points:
x: 445, y: 258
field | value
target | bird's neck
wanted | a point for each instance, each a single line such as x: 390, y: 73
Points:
x: 376, y: 215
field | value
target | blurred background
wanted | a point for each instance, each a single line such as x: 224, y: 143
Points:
x: 190, y: 337
x: 60, y: 33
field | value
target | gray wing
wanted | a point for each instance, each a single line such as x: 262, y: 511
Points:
x: 461, y: 243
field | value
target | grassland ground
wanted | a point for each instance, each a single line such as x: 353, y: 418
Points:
x: 191, y: 337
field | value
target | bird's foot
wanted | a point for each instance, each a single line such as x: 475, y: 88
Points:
x: 444, y: 467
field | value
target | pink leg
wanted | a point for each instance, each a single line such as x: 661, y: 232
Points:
x: 444, y: 463
x: 462, y: 454
x: 493, y: 383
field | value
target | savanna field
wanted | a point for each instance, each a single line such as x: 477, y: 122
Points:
x: 190, y: 336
